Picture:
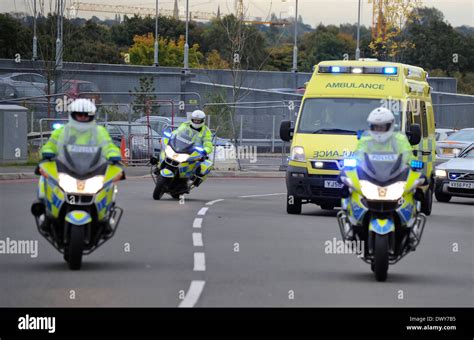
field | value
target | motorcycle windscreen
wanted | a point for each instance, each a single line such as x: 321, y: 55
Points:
x: 182, y: 141
x: 82, y: 159
x: 383, y: 166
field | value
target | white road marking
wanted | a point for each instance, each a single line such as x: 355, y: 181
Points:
x: 199, y: 262
x: 203, y: 211
x: 197, y: 240
x: 192, y: 297
x: 214, y: 202
x: 197, y: 223
x: 276, y: 194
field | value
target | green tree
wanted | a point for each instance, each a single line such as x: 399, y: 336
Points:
x: 14, y: 38
x: 142, y: 102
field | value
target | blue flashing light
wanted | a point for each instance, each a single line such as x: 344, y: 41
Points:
x: 350, y: 162
x: 335, y: 69
x: 167, y: 134
x: 57, y: 126
x: 390, y: 70
x: 199, y: 149
x: 454, y: 175
x: 417, y: 164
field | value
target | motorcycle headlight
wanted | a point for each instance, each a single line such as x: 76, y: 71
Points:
x: 392, y: 192
x: 297, y: 154
x: 89, y: 186
x: 178, y: 157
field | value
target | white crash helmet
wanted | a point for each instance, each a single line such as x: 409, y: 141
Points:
x: 381, y: 124
x: 197, y: 119
x: 84, y: 107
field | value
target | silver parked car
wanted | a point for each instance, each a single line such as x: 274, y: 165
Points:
x: 442, y: 134
x: 456, y: 176
x: 454, y: 144
x: 27, y: 79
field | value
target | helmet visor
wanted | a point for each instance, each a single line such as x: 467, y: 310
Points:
x: 197, y: 121
x: 83, y: 117
x: 380, y: 127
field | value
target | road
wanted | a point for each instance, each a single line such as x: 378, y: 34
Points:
x: 234, y: 252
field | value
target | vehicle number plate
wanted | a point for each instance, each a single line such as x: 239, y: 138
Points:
x: 333, y: 184
x: 461, y: 185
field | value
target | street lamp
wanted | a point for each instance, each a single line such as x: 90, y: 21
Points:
x: 155, y: 61
x: 357, y: 55
x: 295, y: 47
x: 186, y: 45
x: 35, y: 40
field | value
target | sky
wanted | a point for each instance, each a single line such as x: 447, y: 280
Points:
x: 456, y: 12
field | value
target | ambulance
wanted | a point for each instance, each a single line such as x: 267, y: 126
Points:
x: 333, y: 114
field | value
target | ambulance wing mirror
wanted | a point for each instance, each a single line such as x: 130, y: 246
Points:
x: 414, y: 134
x: 286, y: 130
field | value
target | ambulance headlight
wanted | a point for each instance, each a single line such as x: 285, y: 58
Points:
x: 297, y: 154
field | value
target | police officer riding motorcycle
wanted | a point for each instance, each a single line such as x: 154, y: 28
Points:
x: 381, y: 201
x: 184, y: 158
x: 75, y: 210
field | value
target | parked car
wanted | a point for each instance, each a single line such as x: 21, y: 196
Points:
x: 158, y: 123
x: 12, y: 93
x: 456, y: 176
x: 442, y: 134
x: 80, y: 88
x: 454, y: 144
x: 35, y: 79
x: 140, y: 137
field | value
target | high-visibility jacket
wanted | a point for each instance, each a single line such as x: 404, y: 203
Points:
x: 398, y: 144
x: 97, y: 136
x: 202, y: 138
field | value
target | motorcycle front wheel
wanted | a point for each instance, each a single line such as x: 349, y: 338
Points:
x: 159, y: 188
x: 380, y: 265
x: 73, y: 252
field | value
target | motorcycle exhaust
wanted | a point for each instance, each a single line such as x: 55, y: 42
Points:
x: 418, y: 228
x: 344, y: 225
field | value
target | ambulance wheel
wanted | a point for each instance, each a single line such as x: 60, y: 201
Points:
x: 293, y: 205
x: 427, y: 203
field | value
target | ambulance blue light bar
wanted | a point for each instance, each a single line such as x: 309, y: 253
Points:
x: 384, y: 70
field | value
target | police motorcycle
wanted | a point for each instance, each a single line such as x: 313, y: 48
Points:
x: 76, y: 210
x: 381, y: 208
x: 177, y: 171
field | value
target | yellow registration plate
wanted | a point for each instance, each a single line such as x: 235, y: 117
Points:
x: 447, y: 151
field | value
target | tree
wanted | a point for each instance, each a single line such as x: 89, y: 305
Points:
x: 142, y: 104
x: 438, y: 44
x: 391, y: 40
x: 14, y: 38
x: 325, y: 43
x: 171, y: 52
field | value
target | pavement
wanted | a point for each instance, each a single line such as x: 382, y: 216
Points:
x: 230, y: 243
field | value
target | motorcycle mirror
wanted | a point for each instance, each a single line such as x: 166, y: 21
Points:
x: 153, y: 160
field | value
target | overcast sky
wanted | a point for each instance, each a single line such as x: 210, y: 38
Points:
x: 457, y: 12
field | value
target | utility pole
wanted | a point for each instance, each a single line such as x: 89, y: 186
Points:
x: 155, y: 61
x: 357, y: 54
x: 35, y: 40
x: 186, y: 45
x: 295, y: 47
